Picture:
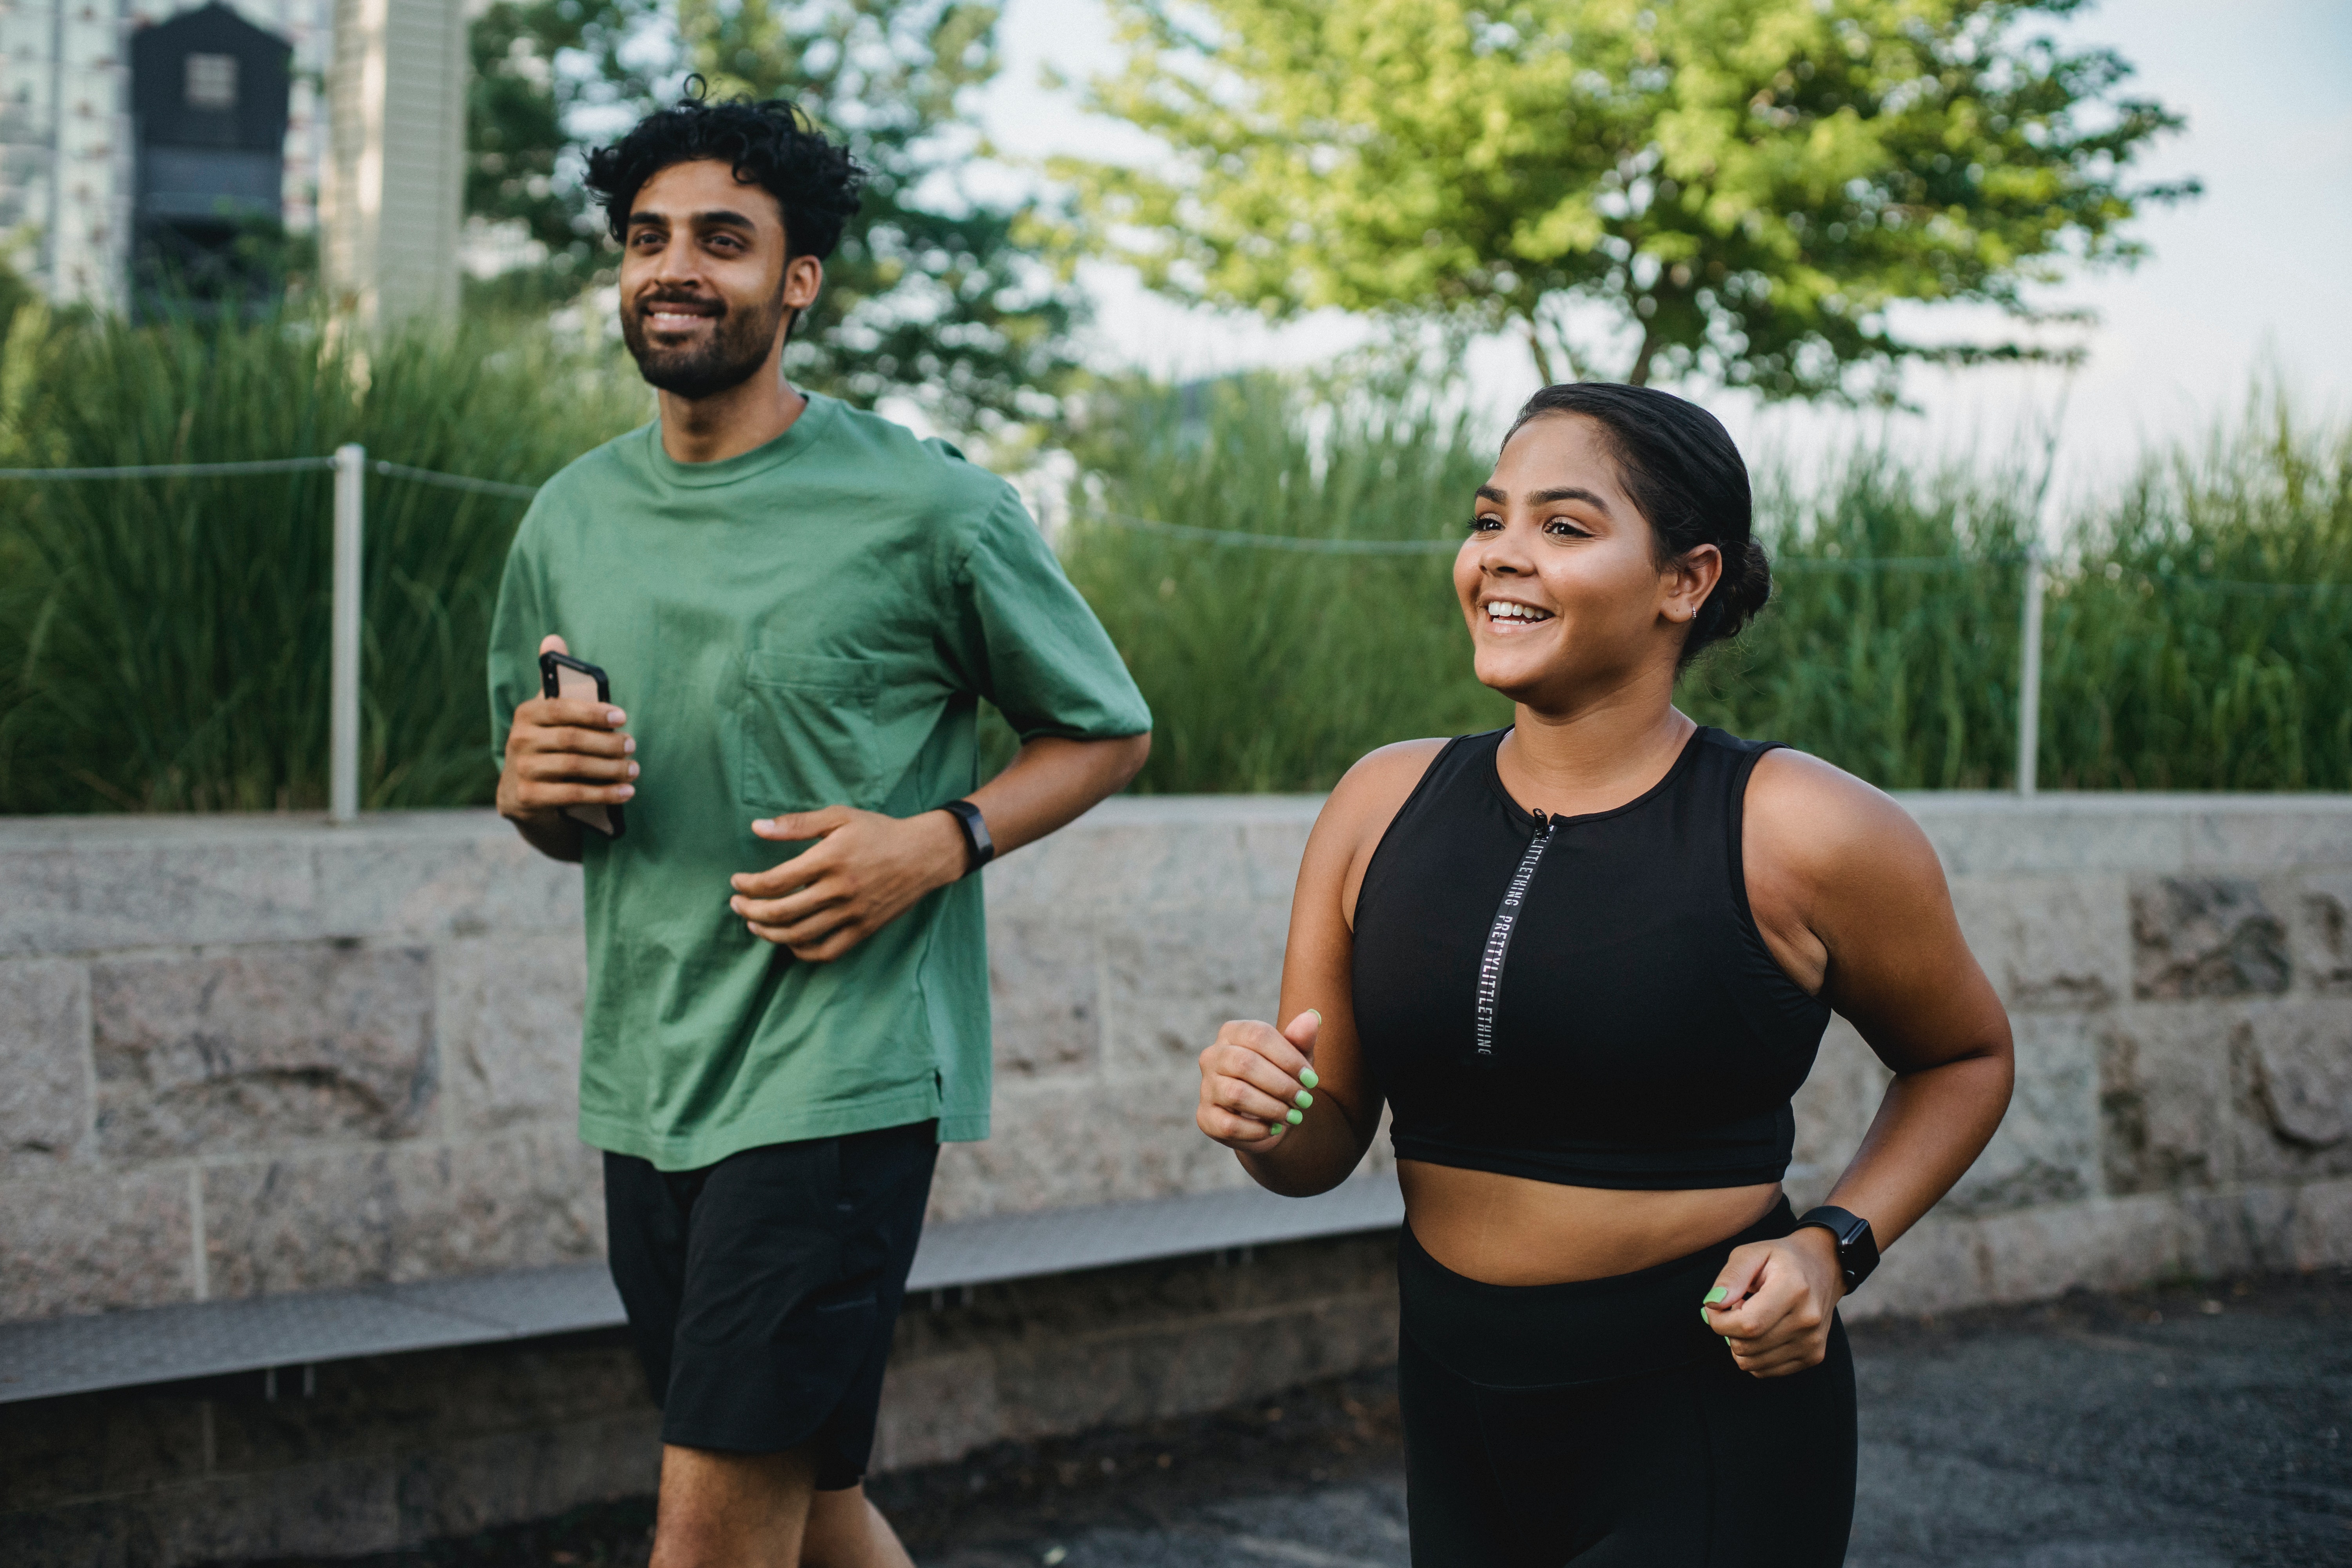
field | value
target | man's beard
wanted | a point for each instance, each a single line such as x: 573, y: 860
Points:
x: 737, y: 347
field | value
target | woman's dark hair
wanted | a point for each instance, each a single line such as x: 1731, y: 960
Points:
x: 1678, y: 464
x: 772, y: 145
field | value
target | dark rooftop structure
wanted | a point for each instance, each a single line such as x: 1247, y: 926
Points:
x: 208, y: 101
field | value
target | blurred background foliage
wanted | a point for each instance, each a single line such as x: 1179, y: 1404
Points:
x: 2195, y: 632
x: 163, y: 643
x: 1272, y: 668
x: 1744, y: 186
x: 1732, y: 189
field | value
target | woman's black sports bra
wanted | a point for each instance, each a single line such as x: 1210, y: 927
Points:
x: 1579, y: 999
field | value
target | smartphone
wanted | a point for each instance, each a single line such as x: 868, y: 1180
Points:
x: 560, y: 675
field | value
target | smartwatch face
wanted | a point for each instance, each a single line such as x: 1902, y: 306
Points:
x: 1857, y: 1252
x: 978, y: 848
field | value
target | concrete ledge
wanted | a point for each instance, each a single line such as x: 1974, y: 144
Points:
x: 209, y: 1339
x: 384, y: 1453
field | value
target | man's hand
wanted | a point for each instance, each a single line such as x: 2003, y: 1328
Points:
x: 564, y: 752
x: 865, y: 870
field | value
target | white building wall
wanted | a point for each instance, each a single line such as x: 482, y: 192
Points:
x: 393, y: 200
x: 64, y: 147
x: 65, y: 143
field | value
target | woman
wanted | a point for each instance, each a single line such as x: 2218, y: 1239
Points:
x: 1587, y: 961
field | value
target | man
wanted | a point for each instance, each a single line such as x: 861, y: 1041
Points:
x: 799, y: 606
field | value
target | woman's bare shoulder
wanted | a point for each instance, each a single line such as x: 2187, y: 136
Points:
x: 1822, y: 822
x: 1376, y: 786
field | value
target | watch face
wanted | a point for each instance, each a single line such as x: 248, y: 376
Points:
x: 1857, y: 1250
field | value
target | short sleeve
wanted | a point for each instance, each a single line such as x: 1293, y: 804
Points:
x: 516, y: 626
x: 1030, y: 644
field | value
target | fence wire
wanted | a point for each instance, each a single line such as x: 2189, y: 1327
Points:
x: 277, y: 466
x: 1290, y: 542
x: 453, y: 482
x: 176, y: 470
x: 1794, y: 565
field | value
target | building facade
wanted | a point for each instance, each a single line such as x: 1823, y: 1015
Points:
x: 209, y: 93
x: 69, y: 167
x: 374, y: 130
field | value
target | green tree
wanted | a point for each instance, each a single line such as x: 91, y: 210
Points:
x: 538, y: 64
x: 936, y: 292
x: 1735, y: 189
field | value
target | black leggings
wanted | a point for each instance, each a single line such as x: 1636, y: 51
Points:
x: 1599, y: 1423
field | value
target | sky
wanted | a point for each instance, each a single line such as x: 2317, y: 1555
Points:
x: 2252, y: 281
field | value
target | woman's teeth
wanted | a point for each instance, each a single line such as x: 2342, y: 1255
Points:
x: 1505, y: 616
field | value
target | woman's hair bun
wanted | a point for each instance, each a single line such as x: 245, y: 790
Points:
x: 1745, y: 588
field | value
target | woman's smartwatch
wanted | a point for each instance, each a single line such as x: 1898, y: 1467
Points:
x: 1857, y: 1250
x: 975, y: 833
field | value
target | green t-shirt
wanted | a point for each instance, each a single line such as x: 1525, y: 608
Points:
x: 809, y: 623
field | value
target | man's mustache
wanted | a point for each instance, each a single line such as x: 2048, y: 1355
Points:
x: 693, y: 304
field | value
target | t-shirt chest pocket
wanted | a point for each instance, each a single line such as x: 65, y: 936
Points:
x: 804, y: 733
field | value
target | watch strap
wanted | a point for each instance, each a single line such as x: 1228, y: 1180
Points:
x: 975, y: 833
x: 1858, y: 1247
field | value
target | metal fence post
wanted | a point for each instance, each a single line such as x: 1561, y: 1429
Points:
x: 2028, y: 681
x: 2029, y: 652
x: 343, y: 676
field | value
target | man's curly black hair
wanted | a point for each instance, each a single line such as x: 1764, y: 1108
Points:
x: 771, y: 144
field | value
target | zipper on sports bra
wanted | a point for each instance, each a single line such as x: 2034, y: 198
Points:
x: 1498, y: 935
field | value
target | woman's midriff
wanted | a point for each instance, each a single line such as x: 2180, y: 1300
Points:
x: 1510, y: 1230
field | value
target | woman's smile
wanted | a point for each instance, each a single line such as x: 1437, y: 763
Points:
x: 1510, y: 617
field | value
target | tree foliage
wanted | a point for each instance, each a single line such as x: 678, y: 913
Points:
x: 538, y: 64
x: 1735, y: 189
x: 934, y: 294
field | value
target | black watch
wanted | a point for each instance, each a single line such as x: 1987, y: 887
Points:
x: 975, y: 833
x: 1857, y: 1250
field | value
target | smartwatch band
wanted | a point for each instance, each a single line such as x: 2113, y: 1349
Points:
x: 975, y: 833
x: 1857, y: 1248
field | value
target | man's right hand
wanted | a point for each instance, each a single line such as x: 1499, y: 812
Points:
x: 564, y: 752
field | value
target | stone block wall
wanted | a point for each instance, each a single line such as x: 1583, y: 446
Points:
x: 1116, y: 948
x: 242, y: 1056
x: 2175, y: 972
x: 254, y: 1055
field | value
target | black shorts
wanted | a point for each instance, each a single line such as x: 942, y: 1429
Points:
x: 1602, y: 1422
x: 763, y: 1290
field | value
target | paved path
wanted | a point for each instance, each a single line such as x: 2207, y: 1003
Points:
x: 2161, y: 1429
x: 2167, y: 1429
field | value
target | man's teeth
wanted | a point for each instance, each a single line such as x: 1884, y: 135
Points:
x: 1503, y: 610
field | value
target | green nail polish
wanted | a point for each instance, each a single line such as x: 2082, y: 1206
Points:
x: 1705, y: 1319
x: 1308, y: 1077
x: 1276, y: 1129
x: 1717, y: 1294
x: 1293, y: 1117
x: 1304, y: 1099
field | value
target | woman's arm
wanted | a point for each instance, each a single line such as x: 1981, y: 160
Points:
x: 1254, y: 1075
x: 1850, y: 898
